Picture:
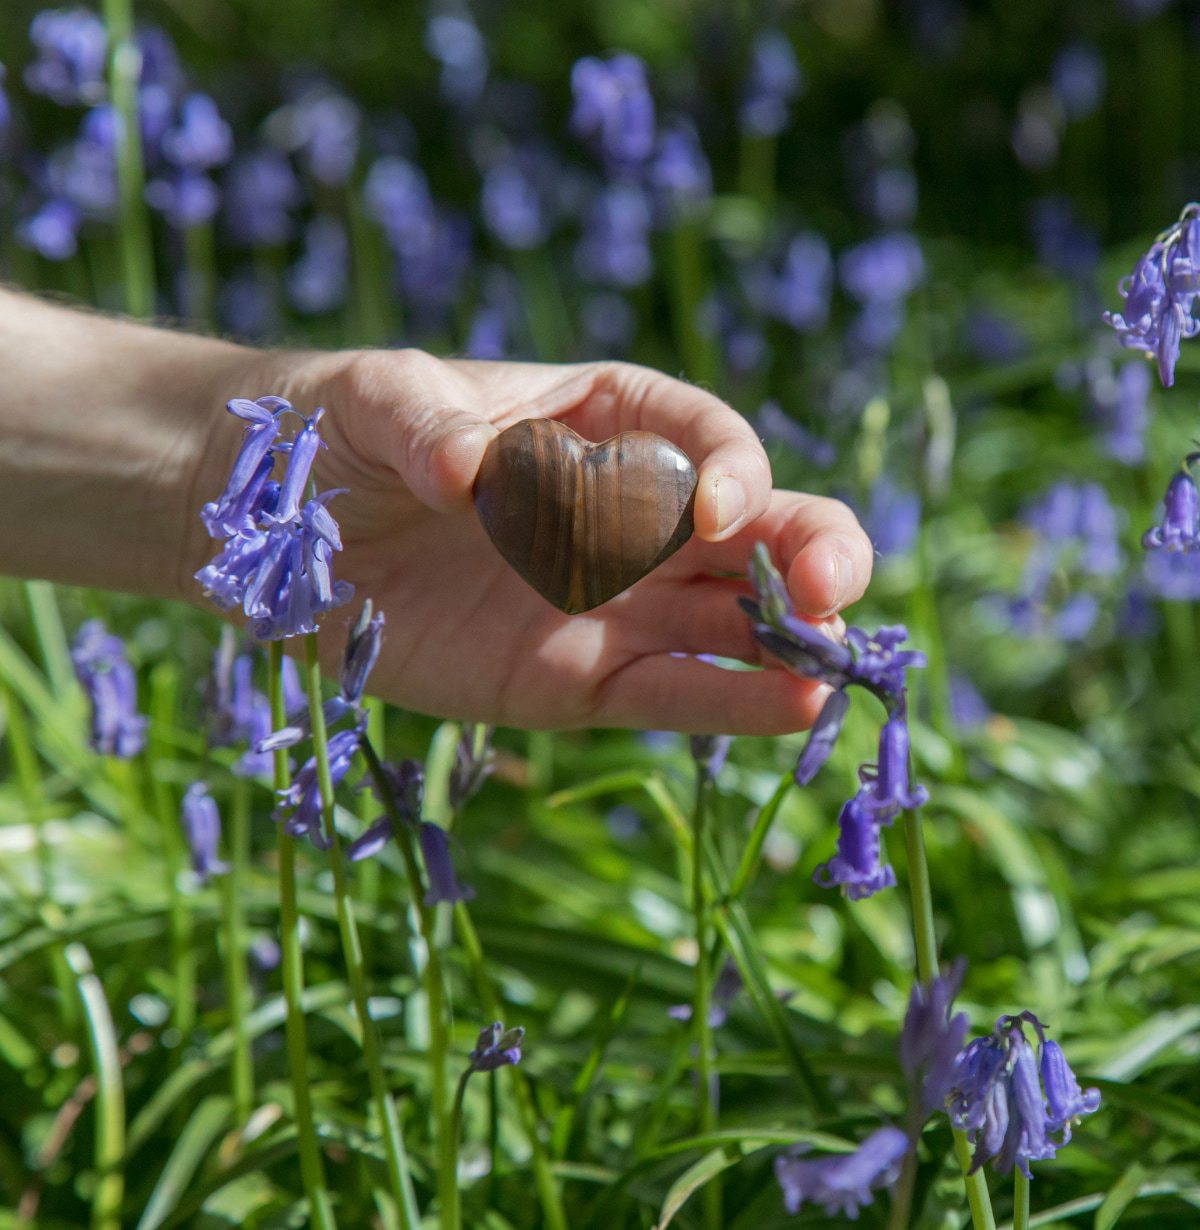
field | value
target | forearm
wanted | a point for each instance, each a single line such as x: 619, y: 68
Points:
x: 111, y: 437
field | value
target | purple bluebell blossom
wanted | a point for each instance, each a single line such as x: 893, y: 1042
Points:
x: 103, y: 671
x: 680, y: 173
x: 260, y: 191
x: 772, y: 424
x: 316, y: 283
x: 1078, y: 79
x: 299, y: 805
x: 187, y: 199
x: 1179, y: 529
x: 511, y: 206
x: 1120, y: 405
x: 822, y: 737
x: 709, y: 752
x: 968, y: 709
x: 321, y: 128
x: 455, y: 42
x: 84, y: 172
x: 1067, y: 1102
x: 613, y: 107
x: 882, y: 270
x: 53, y: 231
x: 201, y: 825
x: 931, y: 1038
x: 887, y: 790
x: 487, y: 336
x: 805, y: 283
x: 879, y: 661
x: 1157, y: 298
x: 615, y: 246
x: 474, y: 762
x: 439, y: 870
x: 396, y: 195
x: 772, y: 84
x: 201, y: 139
x: 893, y: 517
x: 1075, y: 618
x: 496, y: 1047
x: 72, y: 53
x: 843, y: 1182
x: 360, y: 654
x: 405, y: 784
x: 430, y: 276
x: 856, y: 867
x: 1172, y: 575
x: 246, y: 493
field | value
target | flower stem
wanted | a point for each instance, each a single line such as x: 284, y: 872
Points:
x: 137, y: 258
x: 706, y: 1108
x: 311, y: 1169
x: 236, y: 991
x: 901, y: 1211
x: 925, y: 941
x: 393, y: 1141
x: 1021, y: 1201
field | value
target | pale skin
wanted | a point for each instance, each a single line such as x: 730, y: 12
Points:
x: 113, y: 434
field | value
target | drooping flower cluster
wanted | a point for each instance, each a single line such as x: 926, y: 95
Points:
x: 843, y: 1182
x: 117, y: 729
x: 1011, y: 1101
x: 276, y: 560
x: 876, y: 663
x: 1157, y: 297
x: 930, y: 1042
x: 1179, y: 529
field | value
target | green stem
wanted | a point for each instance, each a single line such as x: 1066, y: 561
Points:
x: 110, y: 1093
x: 456, y: 1113
x: 393, y: 1142
x: 164, y: 682
x: 1020, y: 1201
x: 689, y: 277
x: 137, y: 257
x: 706, y: 1109
x: 29, y: 781
x: 549, y: 1192
x: 925, y: 941
x: 236, y: 991
x: 752, y: 851
x: 901, y: 1210
x: 371, y: 308
x: 311, y: 1169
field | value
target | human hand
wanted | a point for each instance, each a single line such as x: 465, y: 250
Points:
x: 468, y: 638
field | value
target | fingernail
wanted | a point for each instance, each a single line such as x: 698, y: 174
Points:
x: 729, y: 497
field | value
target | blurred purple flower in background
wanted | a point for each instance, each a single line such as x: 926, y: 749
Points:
x: 880, y: 274
x: 84, y: 172
x: 1077, y: 80
x: 724, y: 991
x: 892, y: 518
x: 72, y: 52
x: 52, y: 232
x: 316, y: 283
x: 511, y: 206
x: 1064, y: 245
x: 680, y: 174
x: 396, y: 195
x: 260, y: 191
x: 320, y: 128
x: 188, y: 199
x: 609, y: 321
x: 774, y: 426
x: 615, y: 246
x: 843, y: 1182
x: 1179, y: 529
x: 201, y: 825
x: 104, y: 673
x: 968, y: 709
x: 201, y: 139
x: 878, y: 153
x: 455, y: 42
x: 613, y: 108
x: 773, y: 82
x: 487, y: 334
x: 248, y: 303
x: 994, y: 338
x: 406, y: 788
x: 805, y: 283
x: 444, y: 887
x: 931, y: 1039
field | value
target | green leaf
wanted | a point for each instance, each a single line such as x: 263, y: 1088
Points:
x: 696, y: 1175
x: 1122, y: 1193
x: 205, y: 1124
x: 1169, y: 1112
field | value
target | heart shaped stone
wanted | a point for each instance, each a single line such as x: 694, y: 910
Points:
x: 580, y: 521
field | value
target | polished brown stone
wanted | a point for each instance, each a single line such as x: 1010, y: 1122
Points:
x: 580, y: 521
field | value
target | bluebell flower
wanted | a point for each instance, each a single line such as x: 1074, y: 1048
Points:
x: 1157, y: 297
x: 893, y: 517
x: 680, y: 173
x: 299, y: 805
x: 843, y: 1182
x: 724, y: 990
x: 615, y: 246
x: 968, y: 709
x: 887, y: 787
x: 822, y: 737
x: 487, y: 335
x: 321, y: 128
x: 496, y: 1047
x: 201, y: 825
x: 1179, y: 529
x: 455, y: 42
x: 1078, y: 79
x: 316, y: 283
x: 201, y: 139
x: 1172, y: 575
x: 1067, y: 1102
x: 879, y: 661
x: 53, y: 231
x: 772, y: 84
x: 773, y: 425
x: 260, y: 191
x: 805, y: 283
x: 72, y: 54
x: 103, y: 671
x: 1119, y: 402
x: 439, y: 870
x: 474, y: 762
x: 187, y: 199
x: 511, y: 206
x: 885, y: 269
x: 431, y: 275
x: 856, y: 867
x: 931, y: 1038
x: 396, y: 195
x: 84, y: 172
x: 709, y: 752
x: 247, y: 493
x: 614, y: 108
x: 406, y: 787
x: 360, y: 654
